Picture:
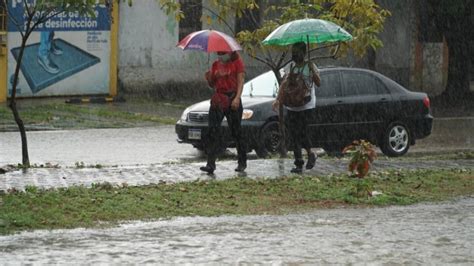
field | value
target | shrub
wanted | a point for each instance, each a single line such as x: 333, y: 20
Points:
x: 362, y: 154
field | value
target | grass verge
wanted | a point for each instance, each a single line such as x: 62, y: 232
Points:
x: 104, y: 204
x: 56, y: 115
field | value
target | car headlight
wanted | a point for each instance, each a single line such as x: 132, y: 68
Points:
x: 247, y: 114
x: 184, y: 115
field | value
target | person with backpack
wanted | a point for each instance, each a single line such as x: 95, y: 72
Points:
x: 226, y: 76
x: 297, y: 94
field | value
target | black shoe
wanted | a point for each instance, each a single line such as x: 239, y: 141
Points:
x: 297, y: 170
x: 241, y: 167
x: 207, y: 169
x: 311, y: 161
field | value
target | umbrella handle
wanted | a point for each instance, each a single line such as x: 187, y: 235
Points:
x: 307, y: 47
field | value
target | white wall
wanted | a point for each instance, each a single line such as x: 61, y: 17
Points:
x: 147, y: 48
x: 148, y: 55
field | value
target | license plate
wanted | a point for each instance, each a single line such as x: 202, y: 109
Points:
x: 194, y: 134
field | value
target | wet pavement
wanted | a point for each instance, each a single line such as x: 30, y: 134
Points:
x: 151, y: 145
x: 448, y: 133
x: 182, y: 172
x: 150, y: 155
x: 420, y: 234
x: 432, y: 234
x: 117, y: 146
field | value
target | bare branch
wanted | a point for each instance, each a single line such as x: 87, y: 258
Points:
x: 54, y: 14
x: 268, y: 54
x: 25, y: 5
x: 254, y: 20
x: 261, y: 60
x: 324, y: 46
x: 250, y: 15
x: 282, y: 57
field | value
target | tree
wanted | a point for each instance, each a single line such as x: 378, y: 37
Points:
x: 453, y: 20
x: 362, y: 18
x: 35, y: 13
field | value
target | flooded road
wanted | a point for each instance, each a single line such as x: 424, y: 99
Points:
x: 148, y: 145
x: 122, y: 146
x: 420, y: 234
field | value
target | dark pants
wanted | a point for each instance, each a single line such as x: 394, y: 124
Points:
x: 214, y: 138
x: 298, y: 129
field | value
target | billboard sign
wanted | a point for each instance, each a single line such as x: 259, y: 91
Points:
x: 67, y: 55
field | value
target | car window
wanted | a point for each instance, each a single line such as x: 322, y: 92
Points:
x: 330, y: 85
x: 359, y: 83
x: 381, y: 87
x: 263, y: 85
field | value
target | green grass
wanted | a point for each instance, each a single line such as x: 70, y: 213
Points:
x: 90, y: 207
x: 66, y: 116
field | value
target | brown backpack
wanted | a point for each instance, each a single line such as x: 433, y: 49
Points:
x: 295, y: 91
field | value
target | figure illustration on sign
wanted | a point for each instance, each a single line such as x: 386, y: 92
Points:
x: 46, y: 47
x: 63, y: 48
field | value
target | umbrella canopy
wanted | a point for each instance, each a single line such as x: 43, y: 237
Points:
x: 209, y: 41
x: 304, y: 30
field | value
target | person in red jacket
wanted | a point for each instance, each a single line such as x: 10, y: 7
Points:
x: 226, y: 76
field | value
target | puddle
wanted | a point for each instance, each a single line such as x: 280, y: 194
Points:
x: 419, y: 234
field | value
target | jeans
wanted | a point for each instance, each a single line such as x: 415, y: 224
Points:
x: 298, y: 131
x: 214, y: 139
x: 46, y: 40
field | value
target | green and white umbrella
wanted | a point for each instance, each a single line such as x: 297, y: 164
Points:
x: 307, y: 30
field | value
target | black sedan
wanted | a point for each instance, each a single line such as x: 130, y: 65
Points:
x: 351, y: 104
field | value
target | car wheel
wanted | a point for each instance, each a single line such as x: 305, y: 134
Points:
x: 396, y: 140
x: 269, y: 140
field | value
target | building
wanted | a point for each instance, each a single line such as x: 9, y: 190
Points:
x: 148, y: 61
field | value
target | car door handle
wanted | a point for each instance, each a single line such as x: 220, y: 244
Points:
x: 383, y: 99
x: 339, y: 102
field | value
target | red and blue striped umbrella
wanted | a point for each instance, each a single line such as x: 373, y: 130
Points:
x: 209, y: 41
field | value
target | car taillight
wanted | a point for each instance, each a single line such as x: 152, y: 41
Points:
x: 426, y: 102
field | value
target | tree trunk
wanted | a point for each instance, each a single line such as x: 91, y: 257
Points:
x: 21, y: 127
x: 12, y: 105
x: 371, y: 58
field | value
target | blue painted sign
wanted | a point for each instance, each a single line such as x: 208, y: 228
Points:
x: 67, y: 55
x: 66, y: 21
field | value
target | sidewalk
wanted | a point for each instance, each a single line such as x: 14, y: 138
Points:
x: 141, y: 156
x: 185, y: 172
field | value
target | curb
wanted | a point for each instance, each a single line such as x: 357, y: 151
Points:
x: 49, y: 178
x: 95, y: 100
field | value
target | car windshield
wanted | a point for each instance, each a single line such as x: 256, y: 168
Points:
x: 263, y: 85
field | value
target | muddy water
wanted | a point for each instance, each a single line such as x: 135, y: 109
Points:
x: 421, y: 234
